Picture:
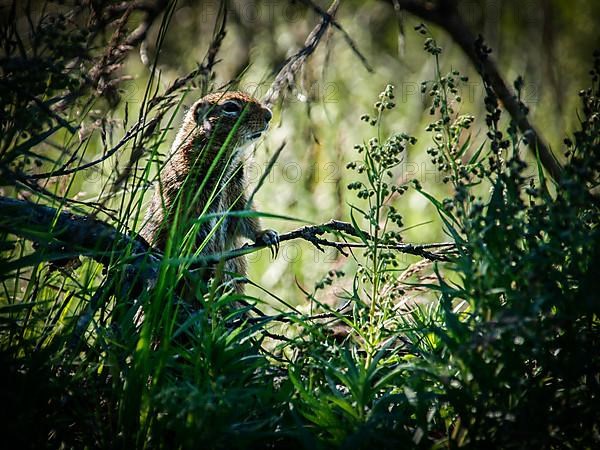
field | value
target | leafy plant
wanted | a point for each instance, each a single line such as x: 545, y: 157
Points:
x: 488, y: 342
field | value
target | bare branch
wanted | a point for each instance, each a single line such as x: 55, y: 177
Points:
x: 445, y: 14
x: 294, y: 63
x: 94, y: 238
x: 292, y: 66
x: 75, y: 233
x: 345, y: 34
x: 313, y: 233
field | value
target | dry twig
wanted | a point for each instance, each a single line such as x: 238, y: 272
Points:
x: 97, y: 239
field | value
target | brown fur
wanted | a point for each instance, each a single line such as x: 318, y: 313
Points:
x: 188, y: 189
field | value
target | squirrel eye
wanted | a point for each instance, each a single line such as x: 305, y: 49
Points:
x: 231, y: 108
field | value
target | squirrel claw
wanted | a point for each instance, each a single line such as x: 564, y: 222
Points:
x: 270, y: 238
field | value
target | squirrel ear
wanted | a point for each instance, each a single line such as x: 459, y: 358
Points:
x: 201, y: 110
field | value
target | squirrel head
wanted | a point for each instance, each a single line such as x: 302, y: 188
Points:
x: 222, y: 114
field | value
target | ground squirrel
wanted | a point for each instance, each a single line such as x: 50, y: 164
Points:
x: 204, y: 178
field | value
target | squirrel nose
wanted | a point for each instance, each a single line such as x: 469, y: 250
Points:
x: 268, y: 115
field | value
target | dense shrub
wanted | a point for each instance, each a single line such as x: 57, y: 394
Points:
x: 487, y: 341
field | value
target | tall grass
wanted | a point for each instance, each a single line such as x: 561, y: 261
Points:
x: 492, y: 346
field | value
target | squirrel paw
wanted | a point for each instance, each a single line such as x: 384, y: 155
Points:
x: 270, y: 238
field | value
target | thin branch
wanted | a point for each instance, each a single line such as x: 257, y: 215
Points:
x: 445, y: 14
x: 99, y: 240
x: 285, y: 76
x: 313, y: 233
x: 337, y: 26
x: 294, y: 63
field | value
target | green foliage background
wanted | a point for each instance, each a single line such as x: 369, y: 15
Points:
x: 492, y: 348
x: 527, y: 39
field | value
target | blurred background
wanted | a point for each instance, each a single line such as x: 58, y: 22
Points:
x: 547, y: 42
